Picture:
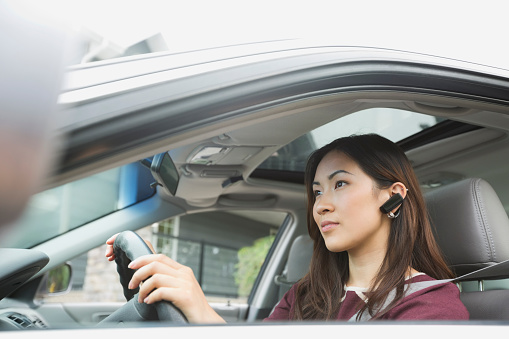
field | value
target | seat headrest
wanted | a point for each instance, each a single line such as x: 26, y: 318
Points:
x: 299, y: 258
x: 470, y: 225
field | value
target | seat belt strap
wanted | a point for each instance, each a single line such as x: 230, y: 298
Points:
x: 411, y: 289
x: 496, y: 271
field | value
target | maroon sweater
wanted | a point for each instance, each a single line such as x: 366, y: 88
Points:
x: 439, y: 302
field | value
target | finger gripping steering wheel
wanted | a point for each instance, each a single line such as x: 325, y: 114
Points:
x: 128, y: 246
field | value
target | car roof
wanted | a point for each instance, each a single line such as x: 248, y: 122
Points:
x: 176, y: 92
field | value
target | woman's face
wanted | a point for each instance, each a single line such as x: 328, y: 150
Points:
x: 346, y: 207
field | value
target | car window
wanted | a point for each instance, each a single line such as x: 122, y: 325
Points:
x: 69, y: 206
x: 225, y: 250
x: 293, y: 156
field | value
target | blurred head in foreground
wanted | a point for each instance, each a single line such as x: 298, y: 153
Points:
x: 31, y: 68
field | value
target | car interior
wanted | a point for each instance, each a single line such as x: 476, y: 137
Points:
x: 214, y: 191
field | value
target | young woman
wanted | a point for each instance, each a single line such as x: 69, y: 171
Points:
x: 365, y: 260
x: 366, y: 264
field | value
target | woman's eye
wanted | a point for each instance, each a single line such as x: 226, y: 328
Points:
x: 316, y: 193
x: 340, y: 184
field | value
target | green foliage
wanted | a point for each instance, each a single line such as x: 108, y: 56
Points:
x: 251, y: 259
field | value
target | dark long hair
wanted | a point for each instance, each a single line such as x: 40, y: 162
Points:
x: 410, y: 244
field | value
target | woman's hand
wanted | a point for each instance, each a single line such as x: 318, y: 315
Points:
x: 161, y: 278
x: 109, y: 248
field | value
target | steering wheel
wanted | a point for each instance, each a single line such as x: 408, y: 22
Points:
x: 127, y: 247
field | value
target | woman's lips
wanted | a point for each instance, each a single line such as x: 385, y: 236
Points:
x: 328, y: 225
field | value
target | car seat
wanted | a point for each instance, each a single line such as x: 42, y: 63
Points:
x: 472, y: 230
x: 297, y: 264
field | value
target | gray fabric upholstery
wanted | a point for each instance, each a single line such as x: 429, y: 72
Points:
x: 472, y: 229
x: 297, y: 264
x: 471, y: 225
x: 487, y: 305
x: 301, y: 252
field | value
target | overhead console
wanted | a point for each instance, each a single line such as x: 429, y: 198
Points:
x: 222, y: 155
x: 200, y: 174
x: 219, y: 162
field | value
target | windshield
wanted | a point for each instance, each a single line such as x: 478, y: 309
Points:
x: 382, y: 121
x: 61, y: 209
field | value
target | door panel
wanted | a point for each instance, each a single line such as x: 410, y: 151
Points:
x: 230, y: 312
x: 68, y: 314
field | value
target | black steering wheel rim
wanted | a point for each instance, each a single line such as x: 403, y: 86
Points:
x: 127, y: 247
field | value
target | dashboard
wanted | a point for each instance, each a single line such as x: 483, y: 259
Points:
x: 16, y: 319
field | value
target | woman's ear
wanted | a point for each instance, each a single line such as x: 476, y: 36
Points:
x: 397, y: 193
x: 398, y: 187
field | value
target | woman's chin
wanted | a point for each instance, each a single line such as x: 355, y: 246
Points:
x: 334, y: 247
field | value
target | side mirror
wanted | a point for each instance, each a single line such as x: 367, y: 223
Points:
x: 58, y: 281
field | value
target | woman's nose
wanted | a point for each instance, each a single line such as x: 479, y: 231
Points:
x: 324, y: 204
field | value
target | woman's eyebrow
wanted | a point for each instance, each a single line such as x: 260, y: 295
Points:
x: 332, y: 176
x: 337, y: 172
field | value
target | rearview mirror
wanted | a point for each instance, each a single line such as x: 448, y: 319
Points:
x: 164, y: 171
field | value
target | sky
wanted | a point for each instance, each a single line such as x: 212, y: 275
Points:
x: 466, y: 30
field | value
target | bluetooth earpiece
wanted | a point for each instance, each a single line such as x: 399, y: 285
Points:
x: 391, y: 204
